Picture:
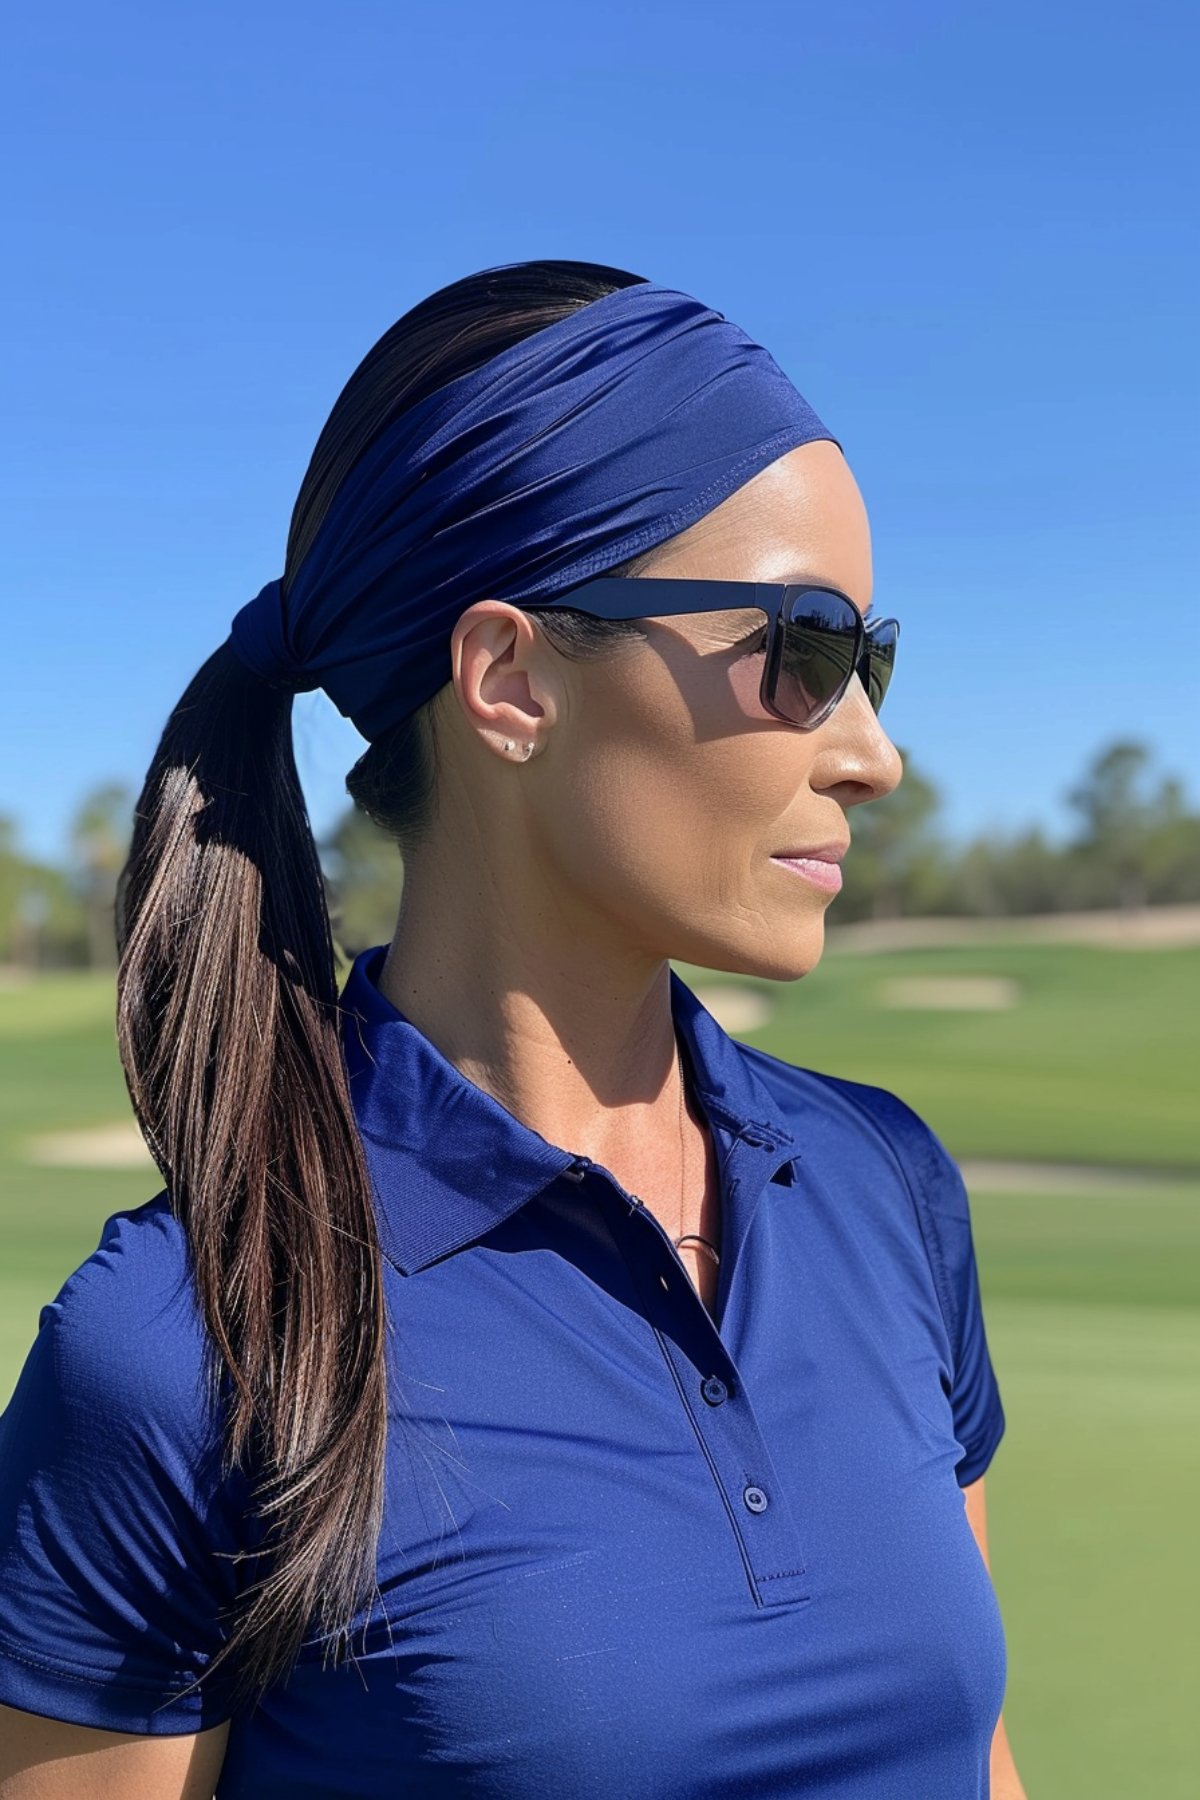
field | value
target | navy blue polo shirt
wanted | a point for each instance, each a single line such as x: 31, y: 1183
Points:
x: 629, y: 1550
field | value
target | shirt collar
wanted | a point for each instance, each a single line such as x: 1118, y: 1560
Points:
x: 448, y: 1162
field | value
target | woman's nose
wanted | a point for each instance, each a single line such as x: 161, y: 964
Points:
x: 855, y: 749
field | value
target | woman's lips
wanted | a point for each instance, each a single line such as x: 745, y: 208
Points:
x: 823, y: 872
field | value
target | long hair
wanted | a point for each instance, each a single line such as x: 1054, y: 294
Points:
x: 227, y: 1026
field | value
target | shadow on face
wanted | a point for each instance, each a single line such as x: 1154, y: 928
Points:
x: 662, y: 788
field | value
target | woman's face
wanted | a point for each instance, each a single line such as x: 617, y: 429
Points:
x: 661, y: 791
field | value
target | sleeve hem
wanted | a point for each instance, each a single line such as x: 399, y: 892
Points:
x: 101, y: 1700
x: 978, y: 1457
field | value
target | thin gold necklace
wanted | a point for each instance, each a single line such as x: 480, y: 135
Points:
x: 683, y: 1237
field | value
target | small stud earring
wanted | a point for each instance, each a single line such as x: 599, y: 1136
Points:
x: 508, y: 743
x: 529, y: 749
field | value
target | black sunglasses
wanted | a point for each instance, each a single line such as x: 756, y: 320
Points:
x: 817, y: 640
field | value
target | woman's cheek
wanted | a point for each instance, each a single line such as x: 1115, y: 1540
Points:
x: 745, y: 683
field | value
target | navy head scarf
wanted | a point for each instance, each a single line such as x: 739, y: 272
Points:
x: 594, y: 438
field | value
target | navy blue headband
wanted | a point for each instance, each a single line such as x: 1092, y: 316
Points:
x: 597, y: 437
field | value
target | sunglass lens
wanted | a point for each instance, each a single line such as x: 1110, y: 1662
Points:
x: 819, y: 634
x: 879, y: 658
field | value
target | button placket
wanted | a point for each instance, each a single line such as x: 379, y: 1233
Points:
x: 745, y: 1474
x: 723, y: 1417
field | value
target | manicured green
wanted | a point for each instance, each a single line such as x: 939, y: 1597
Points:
x: 1092, y: 1300
x: 1096, y: 1062
x: 1092, y: 1499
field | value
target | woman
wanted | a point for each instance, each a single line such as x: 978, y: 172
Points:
x: 520, y: 1386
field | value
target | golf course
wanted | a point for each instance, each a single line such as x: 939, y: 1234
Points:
x: 1063, y: 1077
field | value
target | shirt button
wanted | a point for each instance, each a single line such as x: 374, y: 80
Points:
x: 577, y: 1170
x: 755, y: 1499
x: 714, y: 1390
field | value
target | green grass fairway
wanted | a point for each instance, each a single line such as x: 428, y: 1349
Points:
x: 1092, y: 1500
x: 1095, y: 1063
x: 1092, y: 1300
x: 1093, y: 1318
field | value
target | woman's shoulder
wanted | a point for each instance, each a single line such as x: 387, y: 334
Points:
x: 859, y: 1138
x: 836, y: 1116
x: 118, y: 1517
x: 137, y: 1277
x: 122, y: 1345
x: 865, y: 1143
x: 135, y: 1243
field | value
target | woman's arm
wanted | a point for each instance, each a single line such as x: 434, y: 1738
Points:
x: 1004, y: 1780
x: 47, y: 1759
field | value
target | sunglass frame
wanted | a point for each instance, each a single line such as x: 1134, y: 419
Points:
x: 625, y: 597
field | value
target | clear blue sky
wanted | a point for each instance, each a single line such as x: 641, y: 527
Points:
x: 968, y: 234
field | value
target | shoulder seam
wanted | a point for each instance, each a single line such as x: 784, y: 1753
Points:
x: 917, y: 1135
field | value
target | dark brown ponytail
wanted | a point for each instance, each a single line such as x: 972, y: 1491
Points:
x: 228, y: 1032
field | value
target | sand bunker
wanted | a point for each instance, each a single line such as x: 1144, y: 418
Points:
x: 118, y: 1146
x: 735, y: 1008
x: 951, y: 993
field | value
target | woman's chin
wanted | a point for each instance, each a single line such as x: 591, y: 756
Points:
x: 788, y: 955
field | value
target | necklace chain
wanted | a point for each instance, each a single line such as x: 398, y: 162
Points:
x: 711, y: 1248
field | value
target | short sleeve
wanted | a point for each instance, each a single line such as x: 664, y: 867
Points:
x: 939, y: 1195
x: 975, y: 1397
x: 942, y: 1203
x: 112, y: 1505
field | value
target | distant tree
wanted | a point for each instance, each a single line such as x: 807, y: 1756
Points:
x: 1138, y: 843
x: 997, y: 876
x: 10, y: 884
x: 974, y: 880
x: 15, y: 943
x: 99, y: 837
x: 896, y: 852
x: 1121, y: 821
x: 364, y: 876
x: 41, y: 917
x: 1173, y: 848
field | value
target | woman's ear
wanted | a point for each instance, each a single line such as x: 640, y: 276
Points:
x: 505, y: 676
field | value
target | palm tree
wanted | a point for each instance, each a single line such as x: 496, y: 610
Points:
x: 100, y: 834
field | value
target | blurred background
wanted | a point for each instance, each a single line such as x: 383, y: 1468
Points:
x: 970, y: 238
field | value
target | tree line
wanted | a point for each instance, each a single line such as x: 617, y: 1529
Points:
x: 1135, y: 843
